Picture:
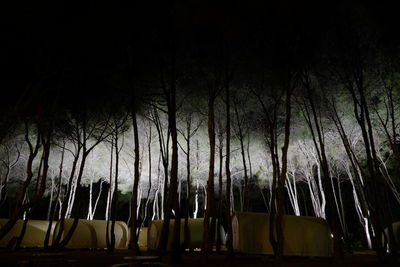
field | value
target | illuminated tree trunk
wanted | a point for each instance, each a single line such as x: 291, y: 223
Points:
x: 361, y: 209
x: 310, y: 170
x: 292, y: 191
x: 50, y: 198
x: 389, y: 180
x: 90, y: 209
x: 93, y: 207
x: 361, y: 200
x: 196, y: 200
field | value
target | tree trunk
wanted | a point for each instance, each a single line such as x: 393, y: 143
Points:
x: 220, y: 208
x: 229, y: 241
x: 281, y: 182
x: 245, y: 197
x: 114, y: 203
x: 208, y: 236
x: 188, y: 182
x: 134, y: 222
x: 53, y: 206
x: 172, y: 201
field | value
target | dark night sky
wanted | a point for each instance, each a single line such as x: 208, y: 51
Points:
x: 83, y: 43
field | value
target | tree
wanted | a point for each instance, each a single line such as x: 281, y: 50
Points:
x: 354, y: 73
x: 187, y: 135
x: 312, y: 114
x: 117, y: 128
x: 43, y: 139
x: 83, y: 131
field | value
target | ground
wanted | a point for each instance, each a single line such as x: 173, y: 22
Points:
x: 35, y: 257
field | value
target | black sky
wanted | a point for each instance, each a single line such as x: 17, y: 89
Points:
x: 76, y: 46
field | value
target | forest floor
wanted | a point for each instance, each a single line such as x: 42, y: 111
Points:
x: 122, y: 258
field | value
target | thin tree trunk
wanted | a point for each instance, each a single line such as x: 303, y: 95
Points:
x: 220, y: 208
x: 172, y: 201
x: 134, y: 222
x: 229, y: 241
x: 209, y: 230
x: 53, y: 206
x: 244, y: 200
x: 281, y: 182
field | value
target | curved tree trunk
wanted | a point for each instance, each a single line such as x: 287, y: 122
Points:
x: 44, y: 141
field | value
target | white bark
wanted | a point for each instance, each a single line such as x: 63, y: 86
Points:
x: 92, y: 209
x: 389, y: 180
x: 71, y: 199
x: 51, y: 198
x: 321, y: 190
x: 205, y: 197
x: 196, y: 200
x: 362, y: 217
x: 90, y: 200
x: 109, y: 200
x: 292, y: 192
x: 139, y: 201
x: 155, y: 206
